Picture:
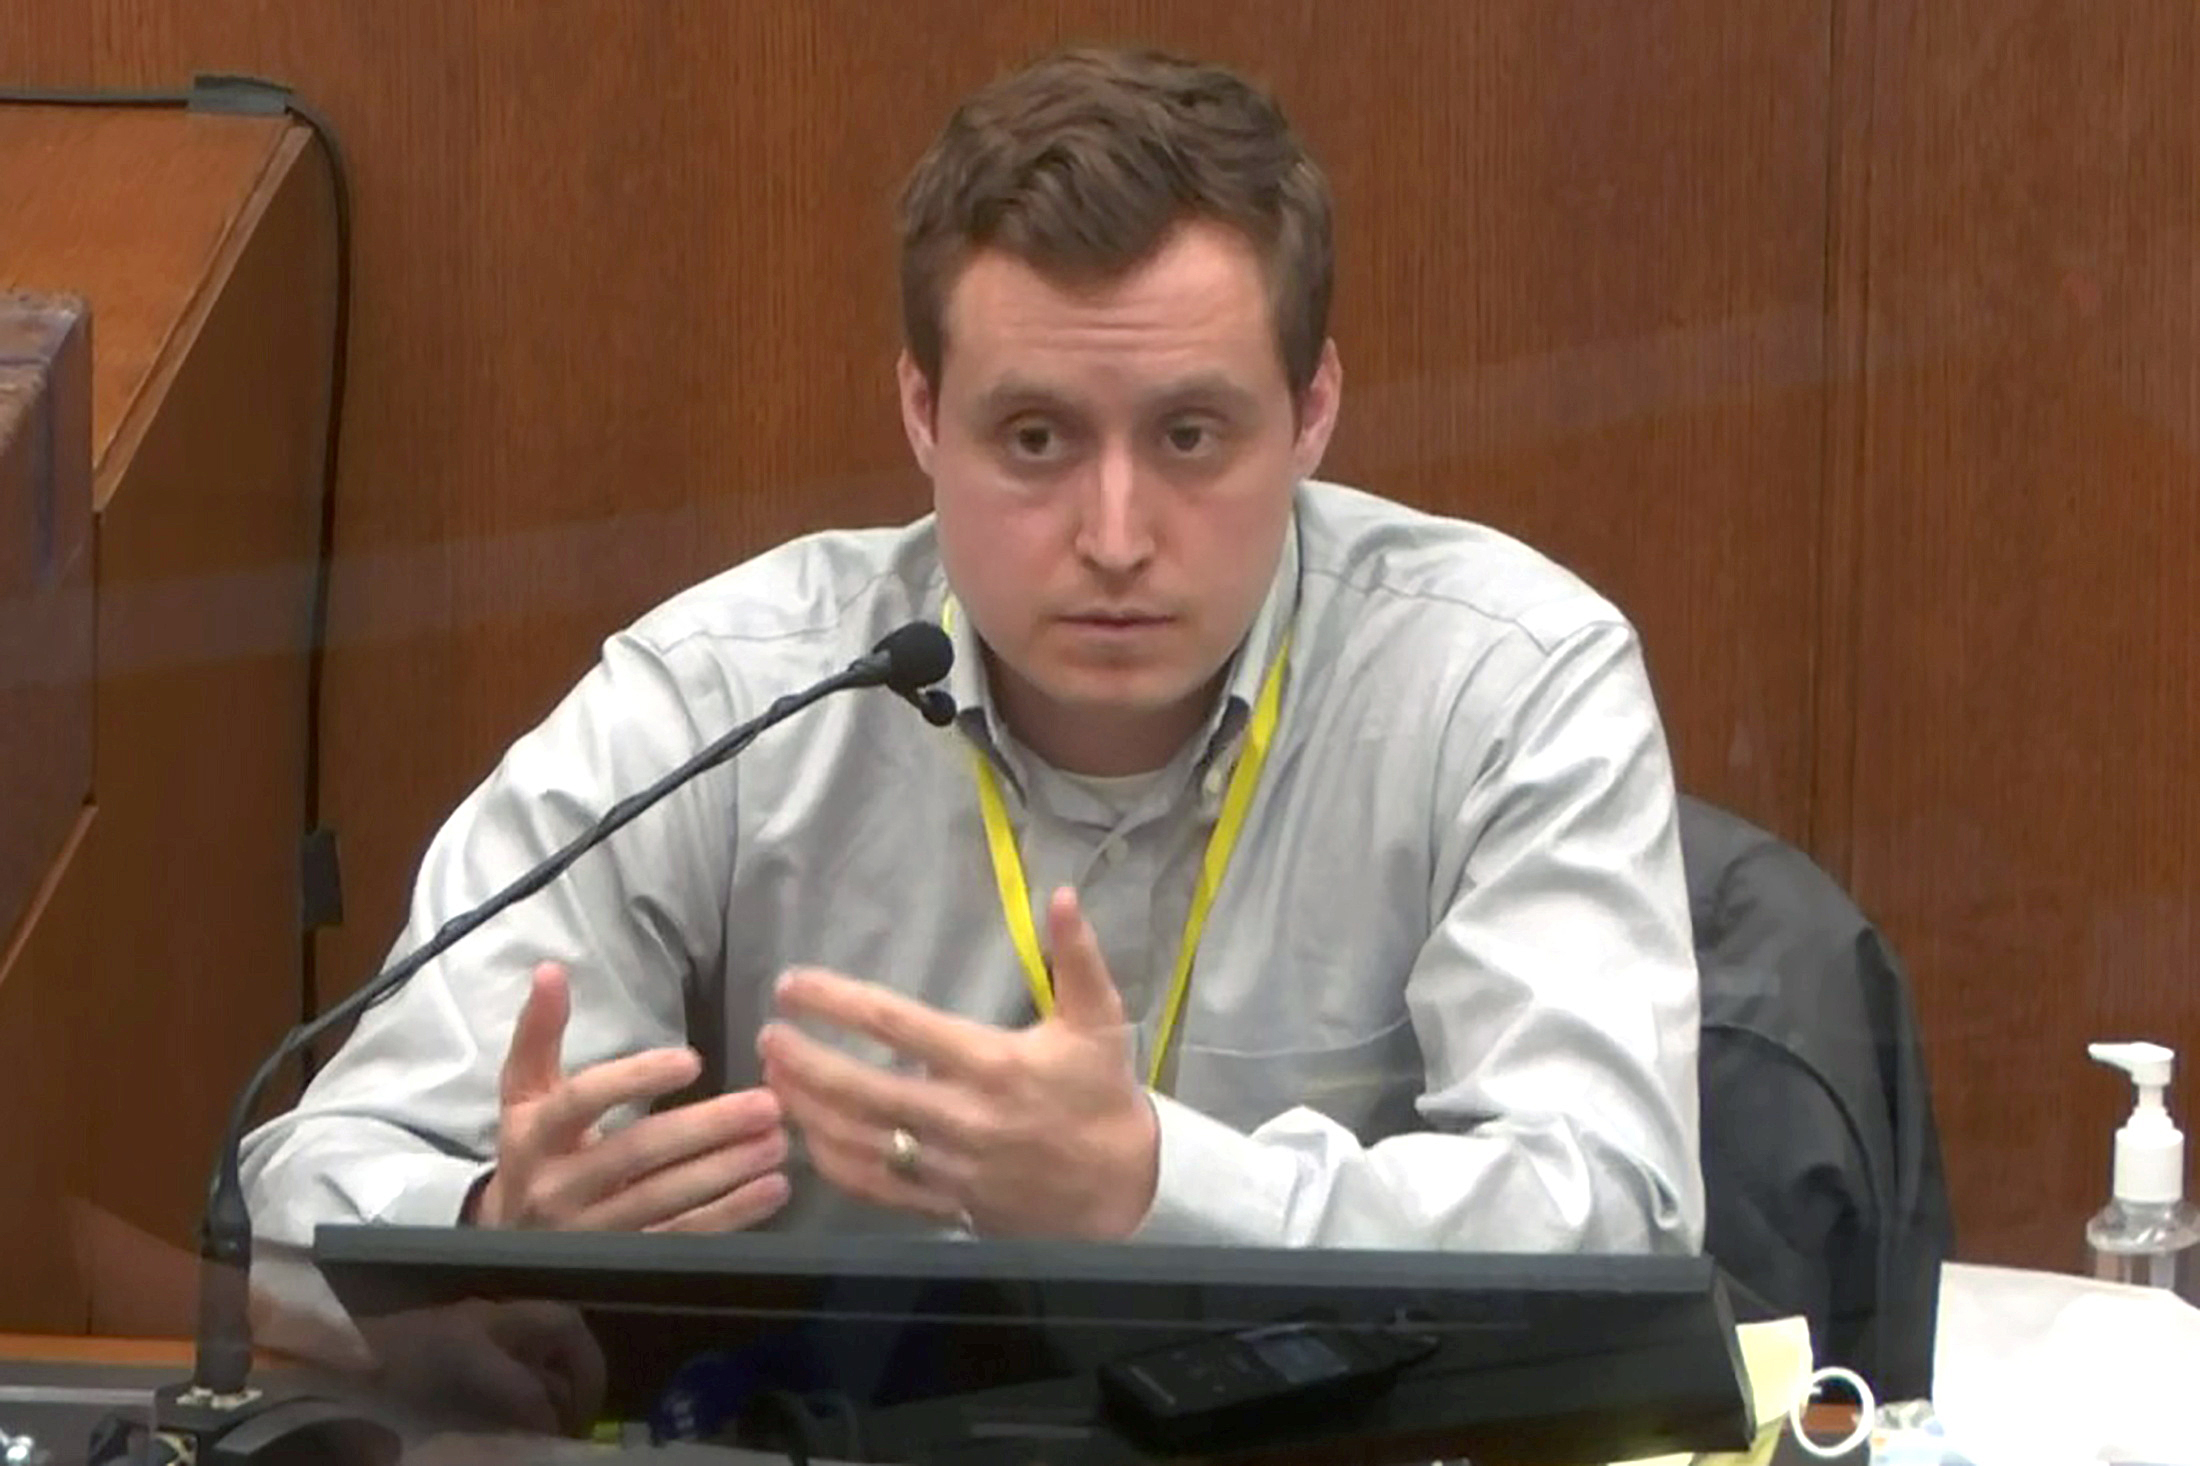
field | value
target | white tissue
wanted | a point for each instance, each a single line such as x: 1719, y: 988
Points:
x: 2042, y: 1369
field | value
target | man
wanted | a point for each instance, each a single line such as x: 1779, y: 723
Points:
x: 1443, y: 992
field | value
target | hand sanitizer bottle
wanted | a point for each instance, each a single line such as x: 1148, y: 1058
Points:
x: 2147, y: 1234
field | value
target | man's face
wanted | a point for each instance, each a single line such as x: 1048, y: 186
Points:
x: 1113, y: 468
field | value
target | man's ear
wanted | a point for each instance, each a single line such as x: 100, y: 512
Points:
x: 1318, y: 413
x: 920, y: 411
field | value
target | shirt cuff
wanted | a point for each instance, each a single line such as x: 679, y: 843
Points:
x: 421, y: 1191
x: 1214, y: 1185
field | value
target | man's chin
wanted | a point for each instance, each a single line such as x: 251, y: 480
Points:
x: 1118, y: 691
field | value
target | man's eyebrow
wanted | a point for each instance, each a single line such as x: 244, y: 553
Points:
x: 1203, y: 387
x: 1012, y: 392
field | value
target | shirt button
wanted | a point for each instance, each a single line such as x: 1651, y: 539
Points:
x: 1111, y: 854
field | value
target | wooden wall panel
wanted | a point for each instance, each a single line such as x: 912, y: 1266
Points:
x: 1850, y: 346
x: 203, y: 607
x: 161, y: 962
x: 1581, y: 294
x: 45, y: 782
x: 139, y: 269
x: 45, y: 589
x: 48, y: 1047
x: 626, y: 314
x: 2025, y: 813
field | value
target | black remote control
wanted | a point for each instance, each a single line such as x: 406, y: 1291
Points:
x: 1227, y: 1389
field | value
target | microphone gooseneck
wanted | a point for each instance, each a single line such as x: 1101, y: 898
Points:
x: 906, y: 661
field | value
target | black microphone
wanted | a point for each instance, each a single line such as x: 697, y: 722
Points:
x: 912, y: 657
x: 936, y: 707
x: 922, y: 654
x: 218, y: 1399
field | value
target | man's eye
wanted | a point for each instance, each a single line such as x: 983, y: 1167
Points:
x: 1034, y: 440
x: 1190, y: 439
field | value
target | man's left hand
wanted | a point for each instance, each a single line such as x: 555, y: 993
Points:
x: 1044, y: 1131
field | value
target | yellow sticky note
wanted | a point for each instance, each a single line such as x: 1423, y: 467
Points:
x: 1776, y: 1356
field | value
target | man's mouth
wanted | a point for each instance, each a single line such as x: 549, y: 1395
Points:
x: 1116, y: 620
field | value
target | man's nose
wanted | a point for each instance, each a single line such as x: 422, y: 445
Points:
x: 1115, y: 534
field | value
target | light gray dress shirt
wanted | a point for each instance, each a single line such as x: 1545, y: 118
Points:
x: 1446, y: 997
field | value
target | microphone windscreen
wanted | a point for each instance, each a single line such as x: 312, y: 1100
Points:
x: 917, y: 655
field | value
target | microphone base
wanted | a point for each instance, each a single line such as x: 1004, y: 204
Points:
x: 189, y: 1425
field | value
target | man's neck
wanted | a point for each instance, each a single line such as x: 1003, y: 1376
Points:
x: 1097, y: 743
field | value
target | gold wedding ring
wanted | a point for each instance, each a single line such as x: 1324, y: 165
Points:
x: 903, y: 1154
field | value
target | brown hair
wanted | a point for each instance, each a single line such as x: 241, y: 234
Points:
x: 1081, y: 163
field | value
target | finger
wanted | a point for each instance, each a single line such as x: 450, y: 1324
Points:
x: 1085, y: 995
x: 657, y: 1141
x: 862, y: 1145
x: 556, y: 1342
x: 683, y: 1187
x: 493, y: 1386
x: 462, y: 1364
x: 948, y: 1153
x: 941, y: 1042
x: 859, y: 1089
x: 578, y: 1103
x: 532, y: 1067
x: 586, y: 1371
x: 747, y: 1205
x: 853, y: 1159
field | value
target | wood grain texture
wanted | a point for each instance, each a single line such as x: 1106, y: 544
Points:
x: 161, y: 961
x: 43, y: 1046
x: 203, y: 604
x: 1836, y: 660
x: 1849, y: 346
x: 147, y: 273
x: 1580, y: 298
x: 2026, y: 798
x: 626, y: 315
x: 46, y: 748
x: 65, y: 1349
x: 45, y: 590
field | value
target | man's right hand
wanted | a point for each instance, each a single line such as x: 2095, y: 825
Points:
x: 711, y: 1166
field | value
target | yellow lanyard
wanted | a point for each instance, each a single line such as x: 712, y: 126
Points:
x: 1008, y: 865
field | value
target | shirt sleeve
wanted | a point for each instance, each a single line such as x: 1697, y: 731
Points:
x: 1554, y: 1002
x: 401, y: 1121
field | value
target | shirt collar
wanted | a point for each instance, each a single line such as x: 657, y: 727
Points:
x: 978, y: 717
x: 1249, y: 666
